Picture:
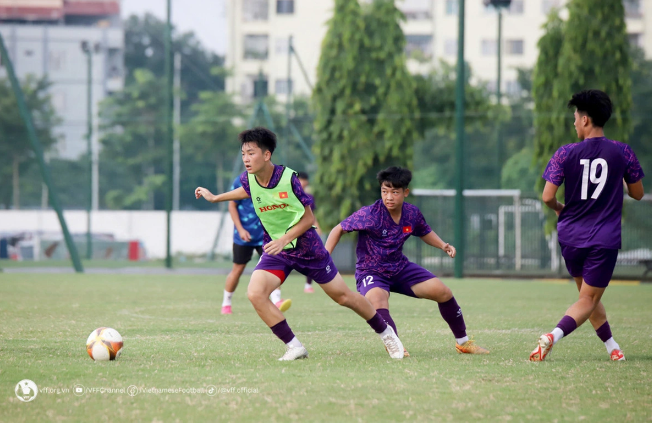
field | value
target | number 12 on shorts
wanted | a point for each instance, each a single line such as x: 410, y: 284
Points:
x: 589, y: 171
x: 367, y: 280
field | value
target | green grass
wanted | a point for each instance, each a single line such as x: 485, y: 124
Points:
x: 175, y: 337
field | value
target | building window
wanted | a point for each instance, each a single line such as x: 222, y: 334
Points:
x: 632, y: 8
x: 255, y: 10
x: 283, y: 86
x: 260, y: 87
x: 417, y: 10
x: 514, y: 47
x: 451, y: 7
x: 281, y: 46
x: 548, y: 5
x: 256, y: 47
x: 517, y: 7
x: 450, y: 47
x: 254, y: 86
x: 634, y: 39
x: 284, y: 7
x: 418, y: 47
x: 489, y: 48
x: 512, y: 88
x: 57, y: 60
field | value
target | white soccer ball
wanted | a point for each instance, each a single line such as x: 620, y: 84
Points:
x: 104, y: 344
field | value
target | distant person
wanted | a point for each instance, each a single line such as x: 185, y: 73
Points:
x: 593, y: 171
x: 247, y: 237
x: 304, y: 180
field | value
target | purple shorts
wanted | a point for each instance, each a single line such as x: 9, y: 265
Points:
x: 595, y: 265
x: 401, y: 283
x: 321, y: 271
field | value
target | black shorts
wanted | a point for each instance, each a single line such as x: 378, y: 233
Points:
x: 242, y: 253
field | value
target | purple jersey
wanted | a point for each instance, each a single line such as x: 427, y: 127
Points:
x: 310, y: 249
x: 593, y: 170
x: 380, y: 243
x: 312, y: 198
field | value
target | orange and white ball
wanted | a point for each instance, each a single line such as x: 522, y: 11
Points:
x: 104, y: 344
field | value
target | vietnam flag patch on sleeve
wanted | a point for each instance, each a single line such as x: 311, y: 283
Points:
x: 407, y: 229
x: 283, y: 195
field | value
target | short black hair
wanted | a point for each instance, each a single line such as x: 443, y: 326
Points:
x: 396, y: 177
x: 595, y: 103
x: 303, y: 175
x: 262, y: 137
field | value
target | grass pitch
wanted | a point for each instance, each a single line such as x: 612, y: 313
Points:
x: 175, y: 338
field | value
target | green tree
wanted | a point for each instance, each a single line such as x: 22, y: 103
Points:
x: 642, y: 108
x: 133, y: 145
x: 434, y: 153
x: 16, y: 154
x: 364, y: 106
x: 546, y: 105
x: 594, y: 54
x: 209, y: 144
x: 144, y: 49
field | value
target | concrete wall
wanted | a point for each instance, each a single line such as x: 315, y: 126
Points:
x: 192, y: 232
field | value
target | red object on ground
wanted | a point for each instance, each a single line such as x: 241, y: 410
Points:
x: 134, y: 253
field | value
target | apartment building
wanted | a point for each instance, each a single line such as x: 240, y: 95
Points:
x: 44, y: 37
x: 259, y: 30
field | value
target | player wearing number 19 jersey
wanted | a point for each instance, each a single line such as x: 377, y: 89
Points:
x: 593, y: 172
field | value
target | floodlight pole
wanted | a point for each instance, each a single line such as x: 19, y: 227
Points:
x: 86, y: 48
x: 499, y: 96
x: 38, y: 151
x: 168, y: 130
x: 288, y: 103
x: 459, y: 151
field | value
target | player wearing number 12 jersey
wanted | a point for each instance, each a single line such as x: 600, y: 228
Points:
x: 382, y: 267
x: 593, y: 172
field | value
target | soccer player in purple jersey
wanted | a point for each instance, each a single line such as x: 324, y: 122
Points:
x: 593, y: 171
x: 382, y: 267
x: 305, y: 254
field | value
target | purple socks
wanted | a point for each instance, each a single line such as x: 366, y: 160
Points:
x: 567, y: 324
x: 452, y: 314
x: 283, y: 331
x: 377, y: 323
x: 384, y: 313
x: 604, y: 332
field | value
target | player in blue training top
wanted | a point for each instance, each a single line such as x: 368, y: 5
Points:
x: 290, y: 243
x: 247, y: 237
x: 593, y: 171
x: 305, y: 181
x: 382, y: 267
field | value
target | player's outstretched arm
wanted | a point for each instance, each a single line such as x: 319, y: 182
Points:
x: 236, y: 194
x: 333, y: 238
x: 549, y: 197
x: 433, y: 239
x: 635, y: 190
x: 295, y: 232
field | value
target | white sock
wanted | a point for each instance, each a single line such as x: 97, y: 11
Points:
x: 557, y: 334
x: 460, y: 341
x: 611, y: 345
x: 294, y: 343
x: 276, y: 296
x: 387, y: 331
x: 227, y: 298
x: 308, y: 285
